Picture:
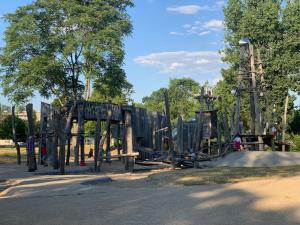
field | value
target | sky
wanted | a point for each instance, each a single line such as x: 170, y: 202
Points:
x: 171, y: 39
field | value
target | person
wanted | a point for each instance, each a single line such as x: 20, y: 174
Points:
x: 237, y: 142
x: 44, y: 156
x: 91, y: 153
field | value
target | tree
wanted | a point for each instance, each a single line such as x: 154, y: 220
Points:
x: 295, y: 122
x: 51, y: 46
x: 274, y: 30
x: 181, y: 98
x: 6, y: 128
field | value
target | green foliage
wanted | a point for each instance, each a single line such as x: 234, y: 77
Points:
x: 6, y: 128
x: 295, y: 122
x: 273, y: 28
x: 296, y: 143
x: 52, y: 46
x: 4, y: 110
x: 89, y: 128
x: 181, y: 98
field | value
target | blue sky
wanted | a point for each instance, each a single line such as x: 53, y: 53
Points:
x: 171, y: 38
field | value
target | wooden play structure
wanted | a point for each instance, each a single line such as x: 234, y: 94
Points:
x: 135, y: 130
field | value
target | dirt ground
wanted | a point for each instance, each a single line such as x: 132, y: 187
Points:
x: 115, y: 197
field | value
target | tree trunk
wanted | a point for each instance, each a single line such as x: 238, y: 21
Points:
x: 65, y: 136
x: 169, y: 131
x: 30, y: 140
x: 284, y: 121
x: 15, y: 137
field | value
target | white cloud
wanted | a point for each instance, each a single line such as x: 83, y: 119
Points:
x: 187, y: 9
x: 176, y: 33
x: 186, y: 26
x: 201, y: 28
x: 220, y: 3
x: 214, y: 24
x: 205, y: 64
x: 204, y: 33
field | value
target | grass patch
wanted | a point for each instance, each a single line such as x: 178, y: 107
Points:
x: 8, y: 155
x: 223, y: 175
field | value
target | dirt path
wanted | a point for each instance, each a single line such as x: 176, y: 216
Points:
x: 133, y: 199
x: 114, y: 197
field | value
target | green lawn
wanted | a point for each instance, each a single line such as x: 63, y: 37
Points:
x: 8, y: 155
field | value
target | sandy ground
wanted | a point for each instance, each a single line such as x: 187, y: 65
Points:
x: 131, y: 198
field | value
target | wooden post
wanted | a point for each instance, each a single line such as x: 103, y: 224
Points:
x: 129, y: 161
x: 118, y: 138
x: 76, y: 147
x: 169, y: 131
x: 107, y: 128
x: 232, y: 124
x: 258, y: 127
x: 80, y: 136
x: 57, y: 129
x: 30, y: 140
x: 239, y: 91
x: 68, y: 150
x: 284, y: 120
x: 49, y: 138
x: 219, y: 136
x: 97, y: 141
x: 179, y: 144
x: 15, y: 136
x: 62, y: 141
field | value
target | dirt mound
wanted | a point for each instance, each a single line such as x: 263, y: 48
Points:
x: 259, y: 159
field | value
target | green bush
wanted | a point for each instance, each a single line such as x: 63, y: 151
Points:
x: 6, y: 128
x: 296, y: 143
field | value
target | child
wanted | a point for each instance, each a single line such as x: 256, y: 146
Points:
x: 237, y: 142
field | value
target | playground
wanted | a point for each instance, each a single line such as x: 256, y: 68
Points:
x: 150, y: 112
